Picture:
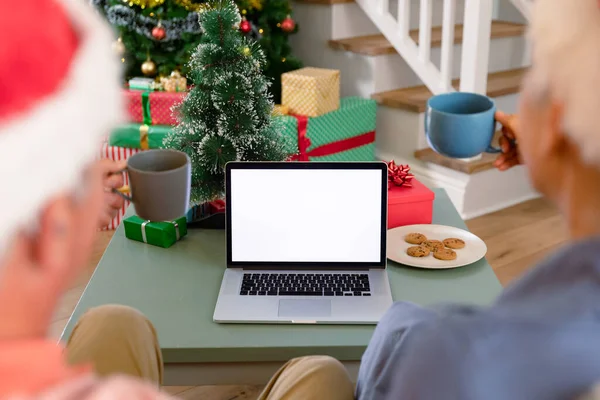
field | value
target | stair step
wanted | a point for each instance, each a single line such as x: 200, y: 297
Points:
x: 376, y: 45
x: 325, y: 1
x: 415, y: 98
x: 486, y: 162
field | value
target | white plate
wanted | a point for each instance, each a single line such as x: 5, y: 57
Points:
x: 475, y: 249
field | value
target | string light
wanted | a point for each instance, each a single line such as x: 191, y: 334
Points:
x: 244, y: 12
x: 261, y: 30
x: 246, y: 51
x: 122, y: 60
x: 278, y: 25
x: 152, y: 14
x: 283, y: 59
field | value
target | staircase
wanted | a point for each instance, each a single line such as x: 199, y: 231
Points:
x: 400, y: 52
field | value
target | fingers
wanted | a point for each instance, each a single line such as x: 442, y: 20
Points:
x: 108, y: 167
x: 57, y: 232
x: 113, y: 181
x: 503, y: 118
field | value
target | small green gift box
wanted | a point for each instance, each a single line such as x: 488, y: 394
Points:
x: 139, y: 136
x: 162, y: 234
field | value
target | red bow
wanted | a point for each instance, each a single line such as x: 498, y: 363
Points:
x: 399, y: 175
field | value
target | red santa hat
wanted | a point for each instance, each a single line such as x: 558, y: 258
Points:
x: 59, y: 96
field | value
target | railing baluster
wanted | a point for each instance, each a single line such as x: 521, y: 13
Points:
x: 448, y: 25
x: 404, y: 18
x: 384, y: 6
x: 425, y: 30
x: 476, y: 46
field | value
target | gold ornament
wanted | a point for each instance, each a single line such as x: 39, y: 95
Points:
x: 189, y: 5
x: 174, y: 83
x: 144, y: 3
x: 118, y: 47
x: 149, y: 68
x: 256, y: 4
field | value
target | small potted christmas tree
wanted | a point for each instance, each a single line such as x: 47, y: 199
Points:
x: 227, y: 115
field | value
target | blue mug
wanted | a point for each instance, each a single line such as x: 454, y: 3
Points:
x: 460, y: 125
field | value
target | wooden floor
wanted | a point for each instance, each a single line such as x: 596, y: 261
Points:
x: 517, y: 238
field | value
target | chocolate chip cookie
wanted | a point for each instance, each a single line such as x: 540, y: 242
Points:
x: 445, y: 255
x: 454, y: 243
x: 433, y: 245
x: 415, y: 238
x: 418, y: 251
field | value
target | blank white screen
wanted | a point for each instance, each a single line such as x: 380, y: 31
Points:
x: 308, y: 215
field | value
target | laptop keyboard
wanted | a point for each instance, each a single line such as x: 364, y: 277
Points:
x: 305, y: 285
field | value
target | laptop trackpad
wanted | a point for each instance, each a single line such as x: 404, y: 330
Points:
x: 305, y: 308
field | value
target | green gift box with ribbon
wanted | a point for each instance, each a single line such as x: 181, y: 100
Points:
x: 162, y: 234
x: 139, y: 136
x: 152, y: 107
x: 346, y: 134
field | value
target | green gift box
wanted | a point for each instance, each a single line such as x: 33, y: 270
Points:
x: 346, y: 134
x: 139, y: 136
x: 162, y: 234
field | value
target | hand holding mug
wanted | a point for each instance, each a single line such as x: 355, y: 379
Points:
x: 508, y: 142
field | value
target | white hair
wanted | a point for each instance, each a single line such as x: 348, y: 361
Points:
x: 566, y: 61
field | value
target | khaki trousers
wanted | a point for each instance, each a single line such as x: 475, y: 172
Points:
x: 119, y: 339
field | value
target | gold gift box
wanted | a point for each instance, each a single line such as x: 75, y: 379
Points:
x: 311, y: 91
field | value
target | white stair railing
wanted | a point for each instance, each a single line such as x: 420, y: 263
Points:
x: 524, y: 6
x: 476, y: 38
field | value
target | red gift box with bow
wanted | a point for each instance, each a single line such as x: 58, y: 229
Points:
x: 409, y: 201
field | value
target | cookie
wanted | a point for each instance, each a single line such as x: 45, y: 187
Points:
x: 415, y: 238
x: 445, y: 255
x: 454, y: 243
x: 418, y: 251
x: 433, y: 245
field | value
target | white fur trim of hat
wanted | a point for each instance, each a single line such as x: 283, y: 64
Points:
x: 44, y: 150
x: 566, y: 61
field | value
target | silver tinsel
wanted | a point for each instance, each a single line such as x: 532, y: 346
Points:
x: 125, y: 17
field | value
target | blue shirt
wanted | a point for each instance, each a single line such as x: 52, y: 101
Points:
x: 539, y: 341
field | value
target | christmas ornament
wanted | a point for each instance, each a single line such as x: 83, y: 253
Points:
x: 245, y: 26
x: 191, y: 6
x: 256, y: 4
x: 118, y: 47
x: 146, y: 3
x: 399, y: 175
x: 158, y: 32
x: 149, y: 68
x: 288, y: 25
x: 174, y: 83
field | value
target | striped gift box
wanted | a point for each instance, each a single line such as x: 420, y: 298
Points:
x: 117, y: 154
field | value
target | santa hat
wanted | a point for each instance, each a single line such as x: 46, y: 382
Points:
x: 566, y: 64
x: 59, y: 96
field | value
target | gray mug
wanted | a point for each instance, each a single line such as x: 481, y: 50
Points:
x: 160, y: 182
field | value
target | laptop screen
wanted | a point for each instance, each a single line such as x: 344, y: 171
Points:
x: 325, y: 213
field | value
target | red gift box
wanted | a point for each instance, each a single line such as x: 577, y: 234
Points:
x: 410, y: 205
x: 117, y: 154
x: 152, y: 108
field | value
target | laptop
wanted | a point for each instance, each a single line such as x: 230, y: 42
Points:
x: 306, y: 243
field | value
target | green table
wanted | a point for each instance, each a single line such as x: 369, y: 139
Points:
x: 177, y: 290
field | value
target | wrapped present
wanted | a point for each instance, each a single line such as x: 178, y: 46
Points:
x: 139, y: 136
x: 117, y: 154
x: 347, y: 134
x: 152, y: 108
x: 409, y: 201
x: 279, y: 109
x: 139, y: 83
x: 311, y: 91
x: 162, y: 234
x: 174, y: 83
x: 204, y: 210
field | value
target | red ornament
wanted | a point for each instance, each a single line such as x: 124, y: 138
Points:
x: 245, y: 26
x: 399, y: 175
x: 288, y: 25
x: 158, y: 32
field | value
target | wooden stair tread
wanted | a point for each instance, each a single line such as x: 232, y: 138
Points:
x: 486, y: 162
x: 415, y: 98
x: 376, y: 45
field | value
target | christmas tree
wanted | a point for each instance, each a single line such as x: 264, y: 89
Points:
x: 227, y: 115
x: 159, y: 36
